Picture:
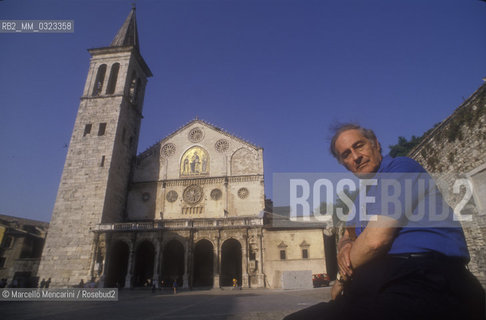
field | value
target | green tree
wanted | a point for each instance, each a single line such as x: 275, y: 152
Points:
x: 404, y: 146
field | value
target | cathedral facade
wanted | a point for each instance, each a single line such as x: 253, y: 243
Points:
x: 190, y: 209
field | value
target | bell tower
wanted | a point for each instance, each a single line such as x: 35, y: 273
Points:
x: 96, y: 173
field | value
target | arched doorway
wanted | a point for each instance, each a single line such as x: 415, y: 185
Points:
x: 144, y: 264
x: 173, y: 263
x: 117, y: 265
x: 203, y: 264
x: 230, y: 262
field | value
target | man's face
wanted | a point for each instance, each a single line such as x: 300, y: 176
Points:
x: 358, y: 154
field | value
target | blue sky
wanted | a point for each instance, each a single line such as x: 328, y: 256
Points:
x: 274, y: 72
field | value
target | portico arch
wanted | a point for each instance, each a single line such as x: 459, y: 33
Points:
x: 173, y: 263
x: 203, y: 264
x: 118, y: 265
x: 230, y: 262
x: 144, y: 264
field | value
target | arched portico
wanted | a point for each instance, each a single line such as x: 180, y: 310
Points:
x: 203, y: 264
x: 118, y: 266
x: 144, y: 264
x: 231, y: 262
x: 173, y: 263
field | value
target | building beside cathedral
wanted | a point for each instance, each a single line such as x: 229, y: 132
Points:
x: 191, y: 208
x: 21, y: 242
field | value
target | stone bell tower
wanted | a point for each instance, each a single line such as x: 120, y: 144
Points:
x: 96, y: 173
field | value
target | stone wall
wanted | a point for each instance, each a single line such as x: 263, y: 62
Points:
x: 456, y: 149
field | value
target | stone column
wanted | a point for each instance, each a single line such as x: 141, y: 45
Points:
x: 244, y: 263
x: 185, y: 278
x: 106, y: 260
x: 260, y: 275
x: 161, y: 260
x: 163, y: 191
x: 130, y: 265
x: 216, y: 262
x: 155, y: 276
x: 215, y: 268
x: 94, y: 256
x: 226, y: 197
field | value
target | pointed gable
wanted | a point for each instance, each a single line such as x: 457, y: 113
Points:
x: 211, y: 127
x: 219, y: 152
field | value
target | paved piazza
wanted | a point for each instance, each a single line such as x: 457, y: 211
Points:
x: 197, y: 304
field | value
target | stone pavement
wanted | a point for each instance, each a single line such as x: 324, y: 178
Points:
x: 196, y: 304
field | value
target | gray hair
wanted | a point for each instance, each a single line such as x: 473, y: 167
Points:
x: 341, y: 127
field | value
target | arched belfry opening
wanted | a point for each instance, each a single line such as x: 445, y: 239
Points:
x: 203, y: 264
x: 144, y: 264
x: 230, y: 262
x: 100, y: 78
x: 117, y: 265
x: 173, y: 263
x: 110, y: 89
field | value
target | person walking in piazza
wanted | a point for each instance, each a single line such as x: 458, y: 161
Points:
x: 392, y: 267
x: 174, y: 286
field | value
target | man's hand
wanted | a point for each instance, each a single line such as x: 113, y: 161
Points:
x: 344, y: 250
x: 344, y: 260
x: 336, y: 289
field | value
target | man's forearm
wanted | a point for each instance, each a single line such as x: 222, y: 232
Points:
x: 375, y: 240
x: 364, y: 251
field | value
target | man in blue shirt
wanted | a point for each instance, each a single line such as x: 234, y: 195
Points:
x: 400, y: 261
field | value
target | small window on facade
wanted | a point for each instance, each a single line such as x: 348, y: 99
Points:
x: 2, y: 262
x: 283, y: 256
x: 87, y: 129
x: 100, y: 78
x: 27, y: 247
x: 305, y: 254
x: 102, y: 164
x: 7, y: 242
x: 102, y: 129
x: 113, y: 77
